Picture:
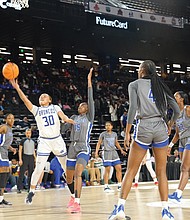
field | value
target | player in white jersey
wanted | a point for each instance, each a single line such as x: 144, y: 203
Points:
x: 149, y: 97
x: 50, y: 140
x: 183, y: 135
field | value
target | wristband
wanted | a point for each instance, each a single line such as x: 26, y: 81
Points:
x: 171, y: 145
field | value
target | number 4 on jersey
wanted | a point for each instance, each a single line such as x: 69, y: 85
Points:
x: 150, y: 96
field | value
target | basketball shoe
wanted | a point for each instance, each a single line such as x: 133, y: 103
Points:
x: 118, y: 213
x: 174, y: 198
x: 75, y: 208
x: 135, y: 185
x: 28, y: 199
x: 108, y: 190
x: 166, y: 215
x: 71, y: 202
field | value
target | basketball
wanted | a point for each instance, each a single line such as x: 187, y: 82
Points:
x: 10, y: 70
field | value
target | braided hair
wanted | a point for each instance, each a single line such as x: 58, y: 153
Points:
x: 158, y: 87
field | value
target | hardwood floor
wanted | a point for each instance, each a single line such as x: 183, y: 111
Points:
x: 142, y: 204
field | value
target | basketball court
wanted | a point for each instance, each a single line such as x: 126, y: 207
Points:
x: 143, y: 204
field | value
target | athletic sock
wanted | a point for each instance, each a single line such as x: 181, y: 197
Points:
x: 165, y: 205
x: 1, y: 198
x: 121, y: 202
x: 77, y: 200
x: 179, y: 193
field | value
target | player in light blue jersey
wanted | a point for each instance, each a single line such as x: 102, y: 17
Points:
x: 183, y: 135
x: 149, y: 98
x: 50, y: 139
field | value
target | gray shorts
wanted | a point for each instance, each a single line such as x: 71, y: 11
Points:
x: 77, y: 154
x: 111, y: 158
x: 151, y: 132
x: 184, y: 143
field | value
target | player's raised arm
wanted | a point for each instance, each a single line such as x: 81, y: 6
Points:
x: 23, y: 97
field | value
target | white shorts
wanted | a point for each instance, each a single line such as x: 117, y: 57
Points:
x: 55, y: 145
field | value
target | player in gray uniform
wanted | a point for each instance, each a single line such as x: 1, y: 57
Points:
x: 79, y: 149
x: 183, y: 135
x: 148, y: 98
x: 109, y: 141
x: 6, y: 138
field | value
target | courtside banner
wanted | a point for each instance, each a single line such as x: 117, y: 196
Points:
x: 132, y: 14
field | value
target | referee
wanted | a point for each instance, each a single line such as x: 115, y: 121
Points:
x: 26, y: 159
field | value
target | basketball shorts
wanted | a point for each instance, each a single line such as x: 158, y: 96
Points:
x: 110, y: 158
x: 184, y: 144
x: 77, y: 153
x: 151, y: 132
x: 55, y: 145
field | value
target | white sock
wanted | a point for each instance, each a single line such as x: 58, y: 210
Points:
x: 165, y: 205
x: 73, y: 195
x: 106, y: 186
x: 77, y: 200
x: 119, y: 184
x: 155, y: 180
x: 179, y: 193
x: 1, y: 198
x: 32, y: 190
x: 121, y: 202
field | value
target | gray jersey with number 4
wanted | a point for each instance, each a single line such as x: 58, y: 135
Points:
x: 142, y: 103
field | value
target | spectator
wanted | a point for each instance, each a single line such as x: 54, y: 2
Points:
x: 1, y: 108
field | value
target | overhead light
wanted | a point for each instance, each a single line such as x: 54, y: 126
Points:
x: 21, y: 54
x: 66, y: 56
x: 130, y: 65
x: 28, y: 54
x: 48, y: 53
x: 96, y: 62
x: 29, y: 58
x: 177, y: 71
x: 78, y: 55
x: 123, y: 61
x: 137, y: 61
x: 85, y: 59
x: 3, y: 48
x: 27, y: 48
x: 176, y: 65
x: 45, y: 63
x: 1, y: 52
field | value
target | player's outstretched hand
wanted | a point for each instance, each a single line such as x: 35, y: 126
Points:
x: 14, y: 83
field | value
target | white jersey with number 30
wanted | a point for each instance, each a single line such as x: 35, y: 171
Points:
x: 47, y: 120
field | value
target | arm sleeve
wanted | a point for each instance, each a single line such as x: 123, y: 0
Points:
x: 132, y: 89
x: 173, y: 104
x: 91, y: 110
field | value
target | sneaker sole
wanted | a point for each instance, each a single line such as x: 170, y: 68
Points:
x: 167, y: 218
x: 174, y: 201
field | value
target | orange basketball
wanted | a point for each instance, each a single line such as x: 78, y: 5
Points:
x: 10, y: 70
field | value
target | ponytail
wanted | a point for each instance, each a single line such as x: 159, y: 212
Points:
x: 159, y: 89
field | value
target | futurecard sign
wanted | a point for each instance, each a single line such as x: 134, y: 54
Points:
x: 7, y: 4
x: 111, y: 23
